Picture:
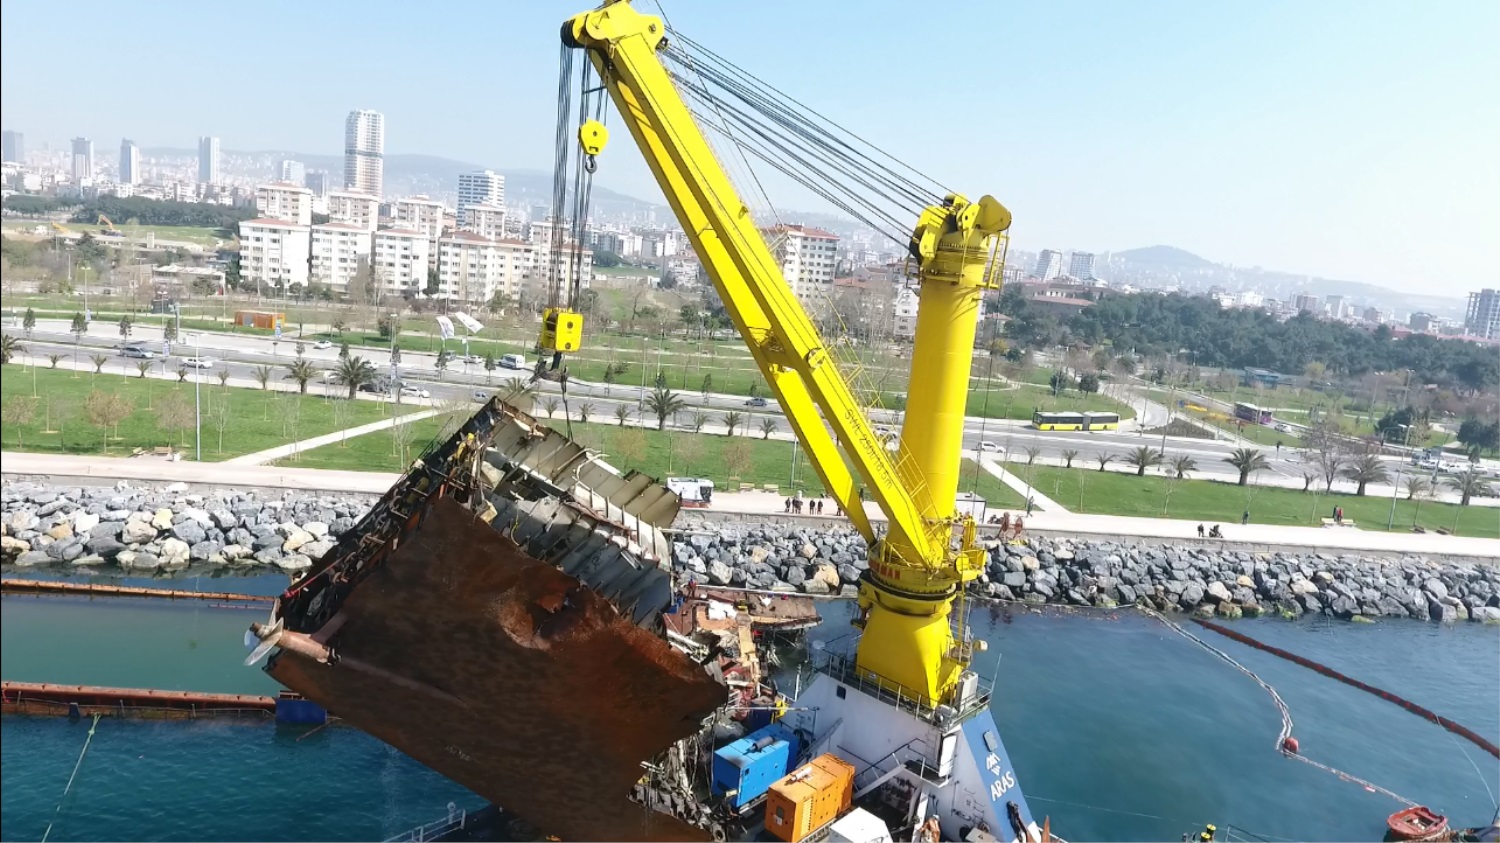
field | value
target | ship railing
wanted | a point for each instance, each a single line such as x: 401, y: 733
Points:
x: 435, y: 830
x: 841, y: 667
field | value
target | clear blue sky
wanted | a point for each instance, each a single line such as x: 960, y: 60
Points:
x: 1347, y: 138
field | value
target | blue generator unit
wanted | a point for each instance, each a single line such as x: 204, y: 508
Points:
x: 747, y: 768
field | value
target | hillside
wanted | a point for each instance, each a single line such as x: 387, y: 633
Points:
x: 1164, y: 257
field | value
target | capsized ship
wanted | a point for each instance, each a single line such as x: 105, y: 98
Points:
x: 505, y: 615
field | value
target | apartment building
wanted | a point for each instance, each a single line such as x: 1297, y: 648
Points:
x: 364, y: 152
x: 420, y: 213
x: 485, y: 220
x: 1482, y: 318
x: 273, y: 254
x: 400, y: 261
x: 284, y: 201
x: 808, y: 257
x: 482, y: 187
x: 473, y: 268
x: 355, y: 208
x: 337, y: 251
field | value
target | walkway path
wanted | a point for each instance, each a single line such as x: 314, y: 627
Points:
x: 276, y: 453
x: 1024, y: 489
x: 1253, y: 537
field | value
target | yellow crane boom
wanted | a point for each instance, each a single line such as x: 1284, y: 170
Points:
x: 916, y: 571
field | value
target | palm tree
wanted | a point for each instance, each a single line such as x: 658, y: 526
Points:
x: 53, y: 360
x: 9, y: 346
x: 143, y: 367
x: 1247, y: 460
x: 732, y: 420
x: 585, y: 410
x: 1417, y: 485
x: 663, y: 402
x: 622, y: 413
x: 301, y: 371
x: 98, y: 360
x: 550, y: 405
x: 1103, y: 459
x: 354, y: 373
x: 514, y: 388
x: 700, y: 419
x: 1181, y: 465
x: 262, y: 375
x: 1143, y: 458
x: 1068, y: 456
x: 1469, y: 485
x: 1363, y: 470
x: 767, y: 427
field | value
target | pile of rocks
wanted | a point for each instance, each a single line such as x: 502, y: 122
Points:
x: 169, y: 529
x: 1104, y: 574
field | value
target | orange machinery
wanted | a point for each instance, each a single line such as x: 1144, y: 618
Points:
x: 809, y: 798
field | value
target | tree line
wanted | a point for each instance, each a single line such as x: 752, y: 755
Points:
x: 133, y: 209
x: 1153, y: 324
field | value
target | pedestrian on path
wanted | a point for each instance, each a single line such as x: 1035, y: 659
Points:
x: 1245, y: 519
x: 1030, y: 504
x: 788, y: 507
x: 1200, y: 531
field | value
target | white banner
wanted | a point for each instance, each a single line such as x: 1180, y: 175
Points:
x: 445, y: 327
x: 469, y: 322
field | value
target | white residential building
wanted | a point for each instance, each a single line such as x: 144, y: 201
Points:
x: 1250, y: 298
x: 401, y: 259
x: 421, y: 214
x: 294, y: 172
x: 208, y: 160
x: 364, y: 152
x: 475, y: 269
x: 1482, y: 318
x: 337, y: 250
x: 284, y: 201
x: 485, y: 220
x: 1048, y: 264
x: 904, y: 314
x: 808, y: 257
x: 482, y: 187
x: 273, y: 254
x: 361, y: 209
x: 130, y: 163
x: 570, y: 259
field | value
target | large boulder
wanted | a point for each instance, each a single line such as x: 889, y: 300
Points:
x: 718, y: 573
x: 84, y: 522
x: 139, y: 531
x: 827, y: 574
x: 175, y: 554
x: 189, y: 532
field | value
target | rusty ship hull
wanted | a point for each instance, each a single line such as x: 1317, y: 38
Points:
x: 498, y: 616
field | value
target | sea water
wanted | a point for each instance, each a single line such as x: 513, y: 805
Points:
x: 1119, y: 729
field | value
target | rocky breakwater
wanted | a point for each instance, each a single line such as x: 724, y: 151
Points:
x: 168, y: 529
x: 1206, y: 581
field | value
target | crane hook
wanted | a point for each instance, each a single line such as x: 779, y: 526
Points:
x: 590, y: 163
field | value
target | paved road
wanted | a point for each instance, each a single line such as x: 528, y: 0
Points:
x: 241, y: 355
x: 111, y: 469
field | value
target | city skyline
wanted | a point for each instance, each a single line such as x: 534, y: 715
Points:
x: 1251, y: 134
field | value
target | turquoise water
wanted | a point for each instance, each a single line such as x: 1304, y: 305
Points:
x: 1120, y: 730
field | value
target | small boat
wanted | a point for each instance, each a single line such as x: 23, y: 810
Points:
x: 1416, y: 823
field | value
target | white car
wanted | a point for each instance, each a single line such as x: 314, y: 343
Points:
x: 989, y: 447
x: 321, y: 344
x: 198, y: 362
x: 1283, y: 427
x: 414, y: 392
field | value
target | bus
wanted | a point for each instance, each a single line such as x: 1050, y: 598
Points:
x: 1252, y: 414
x: 1042, y: 420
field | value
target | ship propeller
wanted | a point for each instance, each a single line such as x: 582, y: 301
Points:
x: 261, y: 639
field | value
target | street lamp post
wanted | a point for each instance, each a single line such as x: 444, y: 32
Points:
x: 197, y: 397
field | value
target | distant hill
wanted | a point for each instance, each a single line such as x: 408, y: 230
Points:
x: 1163, y: 256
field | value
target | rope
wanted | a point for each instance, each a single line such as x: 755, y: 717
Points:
x: 1281, y: 708
x: 79, y: 763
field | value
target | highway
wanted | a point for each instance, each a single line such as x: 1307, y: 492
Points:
x: 240, y: 356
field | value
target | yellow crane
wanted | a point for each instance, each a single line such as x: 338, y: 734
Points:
x: 106, y: 226
x: 918, y: 568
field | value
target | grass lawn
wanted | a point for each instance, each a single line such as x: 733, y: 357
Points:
x: 1115, y: 493
x: 254, y: 420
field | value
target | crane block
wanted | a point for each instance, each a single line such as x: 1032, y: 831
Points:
x: 592, y: 136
